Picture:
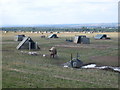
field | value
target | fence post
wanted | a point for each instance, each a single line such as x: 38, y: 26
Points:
x: 36, y: 46
x: 29, y: 45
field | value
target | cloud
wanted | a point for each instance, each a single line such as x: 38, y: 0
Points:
x: 58, y: 11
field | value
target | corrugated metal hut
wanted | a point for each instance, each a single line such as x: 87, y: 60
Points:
x: 81, y: 39
x: 27, y: 43
x: 19, y: 37
x: 53, y: 36
x: 101, y: 36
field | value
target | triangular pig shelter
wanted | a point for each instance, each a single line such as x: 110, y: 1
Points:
x: 53, y: 36
x: 27, y: 43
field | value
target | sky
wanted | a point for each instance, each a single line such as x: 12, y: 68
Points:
x: 35, y: 12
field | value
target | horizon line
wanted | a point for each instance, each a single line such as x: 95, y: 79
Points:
x: 56, y: 24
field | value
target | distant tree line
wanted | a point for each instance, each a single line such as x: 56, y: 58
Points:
x: 82, y: 29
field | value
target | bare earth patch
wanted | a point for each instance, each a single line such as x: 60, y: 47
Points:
x: 105, y: 60
x: 86, y: 46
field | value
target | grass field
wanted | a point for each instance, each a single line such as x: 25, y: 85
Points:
x: 26, y: 71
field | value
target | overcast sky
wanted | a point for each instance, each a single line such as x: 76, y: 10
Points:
x: 28, y: 12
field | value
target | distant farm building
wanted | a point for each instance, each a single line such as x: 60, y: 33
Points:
x: 5, y: 31
x: 43, y: 36
x: 101, y: 36
x: 27, y: 43
x: 81, y: 39
x: 53, y: 36
x: 69, y: 40
x: 19, y: 37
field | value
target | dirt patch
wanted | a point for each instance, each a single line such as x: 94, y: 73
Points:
x: 105, y: 60
x: 86, y: 46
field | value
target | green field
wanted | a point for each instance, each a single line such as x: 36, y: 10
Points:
x: 27, y: 71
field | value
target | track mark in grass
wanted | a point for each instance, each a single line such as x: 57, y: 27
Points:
x: 66, y: 78
x: 25, y: 71
x: 17, y: 70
